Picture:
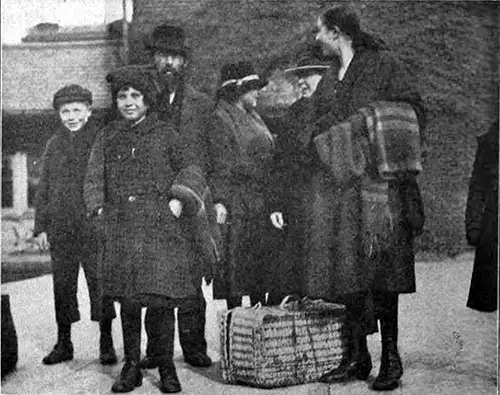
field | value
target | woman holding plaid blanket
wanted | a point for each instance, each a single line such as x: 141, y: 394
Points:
x: 337, y: 266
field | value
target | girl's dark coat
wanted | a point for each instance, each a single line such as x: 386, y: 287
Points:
x: 147, y: 249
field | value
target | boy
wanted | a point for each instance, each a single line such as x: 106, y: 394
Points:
x: 61, y: 220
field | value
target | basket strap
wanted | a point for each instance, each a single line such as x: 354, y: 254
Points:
x: 227, y: 346
x: 311, y: 341
x: 294, y: 342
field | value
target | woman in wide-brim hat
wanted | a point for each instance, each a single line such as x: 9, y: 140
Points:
x: 241, y: 149
x: 289, y: 189
x: 148, y: 259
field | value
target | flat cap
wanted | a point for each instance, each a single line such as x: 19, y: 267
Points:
x: 70, y: 94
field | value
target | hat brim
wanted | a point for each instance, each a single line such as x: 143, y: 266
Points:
x: 304, y: 71
x: 252, y: 85
x: 183, y: 51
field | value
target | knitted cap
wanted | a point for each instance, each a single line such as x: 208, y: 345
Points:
x: 138, y: 77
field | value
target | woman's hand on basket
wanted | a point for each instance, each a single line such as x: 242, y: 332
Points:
x: 277, y: 220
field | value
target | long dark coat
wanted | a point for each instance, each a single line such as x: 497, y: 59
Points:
x: 289, y: 193
x: 334, y: 262
x: 60, y: 209
x: 240, y: 148
x: 481, y: 221
x: 147, y: 250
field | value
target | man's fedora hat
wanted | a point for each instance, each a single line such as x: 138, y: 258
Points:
x: 168, y: 38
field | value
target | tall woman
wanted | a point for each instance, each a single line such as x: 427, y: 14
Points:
x: 148, y: 252
x: 241, y: 152
x: 362, y: 72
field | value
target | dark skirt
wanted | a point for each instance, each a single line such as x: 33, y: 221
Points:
x: 248, y: 256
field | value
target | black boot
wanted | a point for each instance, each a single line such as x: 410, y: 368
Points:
x: 107, y: 354
x: 163, y: 322
x: 169, y: 382
x: 150, y: 361
x: 191, y: 323
x: 357, y: 363
x: 391, y: 367
x: 63, y: 350
x: 130, y: 376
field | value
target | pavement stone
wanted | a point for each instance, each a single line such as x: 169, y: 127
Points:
x: 446, y: 347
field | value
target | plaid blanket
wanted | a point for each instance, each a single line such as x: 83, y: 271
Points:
x: 394, y: 137
x: 342, y: 151
x: 393, y: 144
x: 379, y: 143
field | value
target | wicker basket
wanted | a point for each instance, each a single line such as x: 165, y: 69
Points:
x: 275, y: 346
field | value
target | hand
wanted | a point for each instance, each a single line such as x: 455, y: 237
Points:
x: 277, y: 220
x: 221, y: 213
x: 176, y: 207
x: 42, y: 241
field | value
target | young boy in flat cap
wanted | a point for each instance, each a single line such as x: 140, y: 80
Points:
x: 61, y: 220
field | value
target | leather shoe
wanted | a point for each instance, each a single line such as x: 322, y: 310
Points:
x: 198, y: 360
x: 130, y: 377
x: 169, y: 382
x: 348, y: 370
x: 63, y: 351
x: 148, y: 363
x: 391, y: 370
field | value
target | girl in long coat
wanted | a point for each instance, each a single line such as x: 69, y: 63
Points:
x: 241, y: 153
x: 481, y: 223
x: 149, y: 253
x: 336, y: 267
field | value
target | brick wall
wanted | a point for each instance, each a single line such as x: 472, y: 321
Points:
x: 33, y: 72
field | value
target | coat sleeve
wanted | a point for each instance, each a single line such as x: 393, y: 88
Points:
x: 291, y: 154
x: 400, y: 86
x: 192, y: 142
x: 222, y: 160
x: 41, y: 202
x: 94, y: 185
x: 475, y: 198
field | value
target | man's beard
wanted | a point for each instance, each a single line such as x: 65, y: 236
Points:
x: 171, y: 78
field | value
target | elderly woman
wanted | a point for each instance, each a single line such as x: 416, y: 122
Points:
x: 343, y: 263
x: 241, y: 152
x: 148, y: 250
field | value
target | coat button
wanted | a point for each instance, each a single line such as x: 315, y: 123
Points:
x: 131, y: 198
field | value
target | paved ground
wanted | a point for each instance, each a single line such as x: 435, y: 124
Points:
x: 446, y: 348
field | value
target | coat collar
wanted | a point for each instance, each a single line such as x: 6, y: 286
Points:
x: 142, y: 128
